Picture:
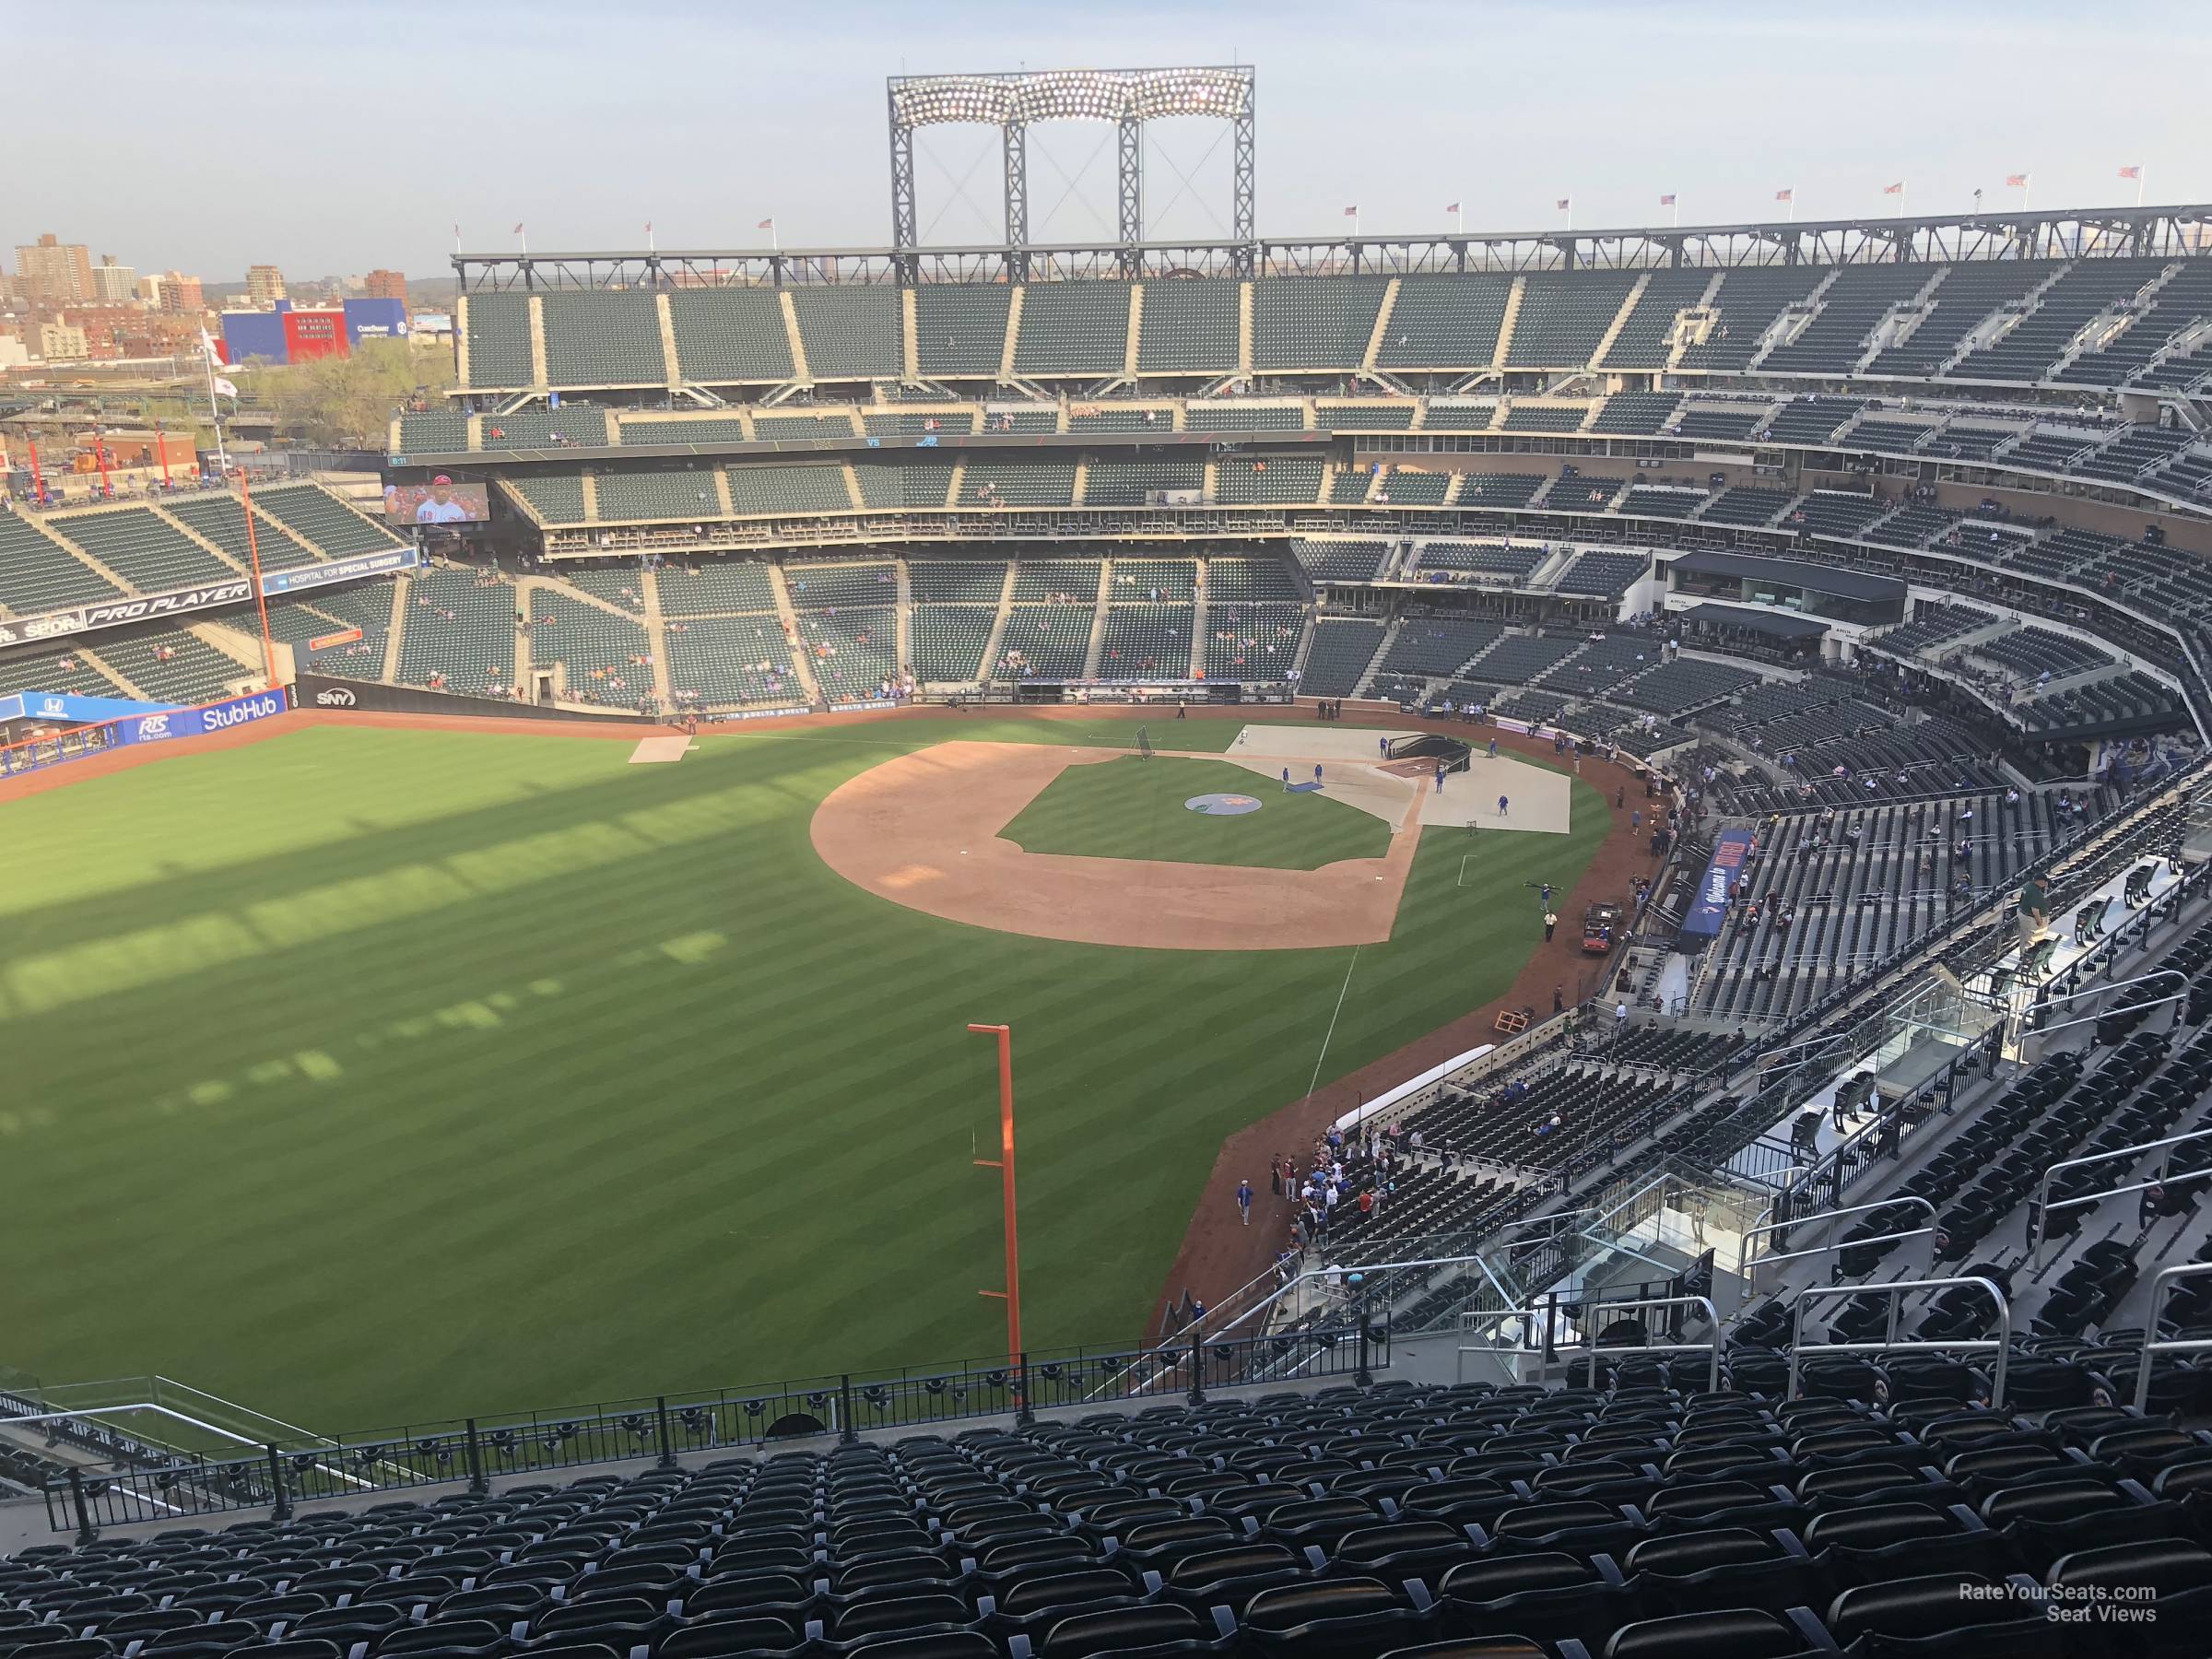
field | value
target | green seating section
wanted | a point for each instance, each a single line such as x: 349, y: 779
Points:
x: 817, y: 586
x: 949, y: 640
x: 1564, y: 315
x: 1642, y: 340
x: 1460, y: 417
x: 888, y: 484
x: 960, y: 328
x: 458, y: 629
x: 761, y: 489
x: 728, y: 662
x: 1750, y: 298
x: 853, y: 651
x: 1363, y: 415
x: 41, y: 670
x: 1498, y: 490
x: 1280, y: 479
x: 920, y: 423
x: 142, y: 550
x: 1446, y: 322
x: 499, y: 340
x: 712, y: 428
x: 555, y: 499
x: 1348, y: 486
x: 1251, y: 642
x: 1188, y: 325
x: 836, y: 423
x: 727, y: 334
x: 1145, y: 640
x: 618, y: 583
x: 956, y: 581
x: 734, y: 584
x: 1092, y: 417
x: 367, y: 608
x: 1340, y: 560
x: 1126, y: 483
x: 1243, y: 418
x: 222, y: 520
x: 850, y: 333
x: 568, y: 428
x: 1017, y: 483
x: 1546, y: 417
x: 1339, y: 656
x: 1238, y: 580
x: 1073, y: 328
x: 1044, y: 581
x: 1158, y: 580
x: 1032, y: 417
x: 628, y: 497
x: 37, y: 574
x: 603, y: 338
x: 606, y: 655
x: 321, y: 520
x: 1312, y: 322
x: 1404, y: 488
x: 440, y: 432
x: 171, y: 665
x: 1045, y: 642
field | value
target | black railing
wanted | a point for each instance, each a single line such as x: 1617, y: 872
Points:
x: 667, y: 1427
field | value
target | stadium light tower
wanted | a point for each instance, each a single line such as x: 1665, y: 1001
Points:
x: 1012, y: 102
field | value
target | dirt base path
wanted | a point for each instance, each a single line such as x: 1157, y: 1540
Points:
x: 924, y: 830
x: 1220, y: 1253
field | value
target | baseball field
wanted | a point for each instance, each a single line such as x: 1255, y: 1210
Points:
x: 362, y: 1074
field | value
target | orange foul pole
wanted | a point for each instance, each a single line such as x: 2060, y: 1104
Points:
x: 268, y: 649
x: 1003, y: 1164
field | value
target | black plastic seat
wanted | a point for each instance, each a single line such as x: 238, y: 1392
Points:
x: 1338, y: 1615
x: 1956, y: 1615
x: 1733, y: 1633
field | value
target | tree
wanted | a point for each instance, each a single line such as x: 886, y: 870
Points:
x: 349, y: 401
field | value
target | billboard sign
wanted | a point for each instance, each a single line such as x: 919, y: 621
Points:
x: 440, y: 501
x: 73, y: 709
x: 340, y: 570
x: 326, y: 642
x: 198, y: 723
x: 114, y: 613
x: 1709, y: 905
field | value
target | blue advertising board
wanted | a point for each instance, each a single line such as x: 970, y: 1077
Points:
x: 196, y: 722
x: 340, y: 570
x: 74, y: 710
x: 1709, y: 904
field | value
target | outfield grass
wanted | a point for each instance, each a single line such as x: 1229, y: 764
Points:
x: 365, y: 1075
x: 1133, y: 808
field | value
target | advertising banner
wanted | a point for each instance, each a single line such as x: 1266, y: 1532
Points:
x: 1709, y: 904
x: 114, y: 613
x: 198, y: 723
x: 370, y: 697
x: 325, y: 642
x: 72, y: 710
x: 340, y: 570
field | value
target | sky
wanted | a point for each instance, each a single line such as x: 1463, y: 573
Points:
x: 333, y: 139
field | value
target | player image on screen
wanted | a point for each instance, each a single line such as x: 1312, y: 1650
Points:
x: 440, y: 501
x: 440, y: 508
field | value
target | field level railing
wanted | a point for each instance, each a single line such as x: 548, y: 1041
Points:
x: 291, y: 1469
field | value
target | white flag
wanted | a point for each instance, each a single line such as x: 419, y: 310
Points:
x: 208, y: 346
x: 227, y: 388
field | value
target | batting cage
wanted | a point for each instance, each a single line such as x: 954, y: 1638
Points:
x: 1452, y: 752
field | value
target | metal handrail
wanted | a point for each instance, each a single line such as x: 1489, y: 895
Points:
x: 1592, y: 1323
x: 2152, y: 1343
x: 1745, y: 1268
x: 1895, y: 1290
x: 2040, y: 1227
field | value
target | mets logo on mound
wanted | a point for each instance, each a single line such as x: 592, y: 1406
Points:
x: 1222, y: 806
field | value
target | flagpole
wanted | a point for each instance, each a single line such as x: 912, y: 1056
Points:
x: 2141, y: 175
x: 215, y: 412
x: 1677, y: 225
x: 1459, y: 219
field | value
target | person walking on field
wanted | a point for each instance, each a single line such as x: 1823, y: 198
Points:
x: 1286, y: 780
x: 1440, y: 779
x: 1550, y: 921
x: 1493, y: 748
x: 1245, y: 1201
x: 1383, y: 748
x: 1504, y: 807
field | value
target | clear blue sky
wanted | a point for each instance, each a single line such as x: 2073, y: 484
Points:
x: 353, y: 136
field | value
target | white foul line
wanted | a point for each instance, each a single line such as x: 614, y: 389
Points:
x: 1332, y: 1031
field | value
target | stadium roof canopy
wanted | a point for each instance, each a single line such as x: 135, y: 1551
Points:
x: 1758, y: 621
x: 1813, y: 578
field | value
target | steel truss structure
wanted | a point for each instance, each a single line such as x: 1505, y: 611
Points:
x: 1014, y: 102
x: 2165, y: 232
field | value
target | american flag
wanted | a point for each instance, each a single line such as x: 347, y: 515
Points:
x: 1788, y: 193
x: 1667, y: 200
x: 1896, y: 189
x: 1352, y: 212
x: 766, y: 224
x: 1564, y: 202
x: 2131, y: 172
x: 1451, y: 206
x: 2016, y: 180
x: 517, y: 230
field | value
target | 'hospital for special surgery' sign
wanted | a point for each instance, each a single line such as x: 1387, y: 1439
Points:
x: 1709, y: 905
